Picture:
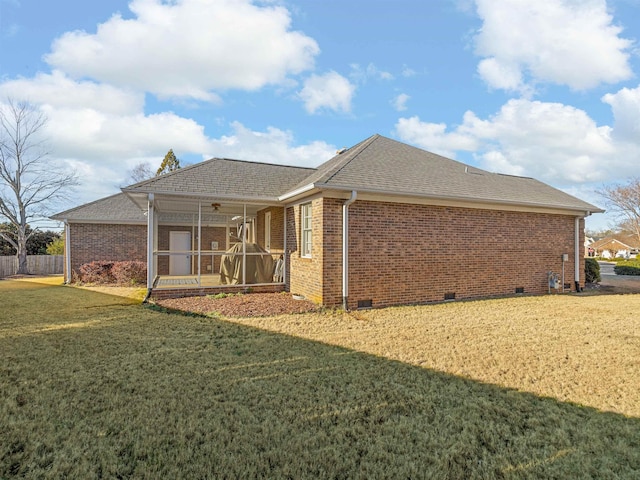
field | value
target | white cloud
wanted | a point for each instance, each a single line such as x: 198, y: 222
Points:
x: 626, y: 111
x: 570, y: 42
x: 400, y: 102
x: 271, y: 146
x: 361, y: 75
x: 189, y: 48
x: 408, y: 72
x: 434, y: 136
x: 330, y: 91
x: 89, y: 134
x: 500, y: 75
x: 58, y: 90
x: 550, y: 141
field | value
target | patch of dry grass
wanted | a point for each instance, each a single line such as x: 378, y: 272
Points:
x: 579, y: 349
x: 93, y: 386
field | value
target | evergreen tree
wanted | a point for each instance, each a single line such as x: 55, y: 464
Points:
x: 169, y: 164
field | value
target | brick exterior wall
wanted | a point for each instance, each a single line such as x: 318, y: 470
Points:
x: 398, y: 253
x: 92, y: 241
x: 305, y: 275
x: 277, y: 228
x: 402, y: 254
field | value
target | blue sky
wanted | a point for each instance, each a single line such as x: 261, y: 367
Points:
x: 548, y: 89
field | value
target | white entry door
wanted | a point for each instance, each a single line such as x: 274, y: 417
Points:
x: 180, y: 264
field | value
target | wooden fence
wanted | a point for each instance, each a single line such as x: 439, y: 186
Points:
x: 37, y: 265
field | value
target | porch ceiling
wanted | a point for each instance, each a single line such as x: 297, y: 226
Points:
x: 189, y: 204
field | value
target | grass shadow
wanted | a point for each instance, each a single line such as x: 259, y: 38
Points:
x: 132, y: 392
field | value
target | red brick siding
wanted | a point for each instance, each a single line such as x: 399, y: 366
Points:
x: 305, y: 275
x: 402, y: 254
x: 277, y: 228
x: 91, y: 242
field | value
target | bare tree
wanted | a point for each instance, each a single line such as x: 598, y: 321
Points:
x: 624, y: 202
x: 29, y: 182
x: 140, y: 172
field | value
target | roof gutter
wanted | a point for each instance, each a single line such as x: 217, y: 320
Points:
x: 297, y: 192
x: 584, y: 210
x: 345, y: 249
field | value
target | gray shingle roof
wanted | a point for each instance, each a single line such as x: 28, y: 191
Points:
x: 226, y: 178
x: 377, y: 165
x: 117, y: 208
x: 383, y: 165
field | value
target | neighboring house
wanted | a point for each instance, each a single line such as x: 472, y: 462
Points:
x: 381, y: 223
x: 619, y: 245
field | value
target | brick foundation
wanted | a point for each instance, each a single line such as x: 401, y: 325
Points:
x: 161, y: 294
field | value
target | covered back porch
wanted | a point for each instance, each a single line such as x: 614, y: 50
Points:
x: 198, y: 246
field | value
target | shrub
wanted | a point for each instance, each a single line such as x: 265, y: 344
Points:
x: 630, y: 267
x: 130, y: 273
x: 121, y: 273
x: 96, y: 272
x: 591, y: 270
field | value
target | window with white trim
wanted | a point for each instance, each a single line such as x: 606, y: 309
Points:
x: 305, y: 213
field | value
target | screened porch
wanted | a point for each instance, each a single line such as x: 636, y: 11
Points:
x: 195, y: 243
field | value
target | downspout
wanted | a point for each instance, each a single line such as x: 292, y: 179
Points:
x: 576, y: 260
x: 150, y: 256
x: 67, y: 251
x: 345, y: 249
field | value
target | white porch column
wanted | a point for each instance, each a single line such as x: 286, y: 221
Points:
x: 284, y: 247
x: 577, y: 254
x: 199, y: 242
x: 244, y: 243
x: 150, y: 243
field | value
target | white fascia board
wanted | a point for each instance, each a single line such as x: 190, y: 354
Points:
x: 452, y: 201
x: 296, y: 192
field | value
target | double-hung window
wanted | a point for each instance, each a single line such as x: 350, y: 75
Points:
x: 306, y: 230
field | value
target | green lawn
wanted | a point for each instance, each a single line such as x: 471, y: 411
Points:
x: 97, y: 386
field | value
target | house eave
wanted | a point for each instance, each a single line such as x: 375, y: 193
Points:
x: 254, y: 200
x: 468, y: 202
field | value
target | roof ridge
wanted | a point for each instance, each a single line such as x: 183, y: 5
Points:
x: 173, y: 172
x: 264, y: 163
x: 206, y: 162
x: 361, y: 147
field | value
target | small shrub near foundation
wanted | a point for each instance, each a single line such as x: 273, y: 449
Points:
x: 591, y: 270
x: 96, y: 272
x: 129, y: 273
x: 631, y: 267
x: 103, y: 272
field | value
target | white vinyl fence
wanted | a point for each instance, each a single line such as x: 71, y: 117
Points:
x: 37, y: 264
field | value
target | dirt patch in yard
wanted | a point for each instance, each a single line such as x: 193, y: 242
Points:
x: 241, y: 305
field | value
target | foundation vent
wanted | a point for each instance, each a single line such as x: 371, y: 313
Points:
x: 519, y: 289
x: 450, y: 296
x: 365, y: 303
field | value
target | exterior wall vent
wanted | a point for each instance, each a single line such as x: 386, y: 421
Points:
x: 365, y: 303
x: 450, y: 296
x: 519, y: 289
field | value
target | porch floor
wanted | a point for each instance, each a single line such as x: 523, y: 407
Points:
x: 187, y: 281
